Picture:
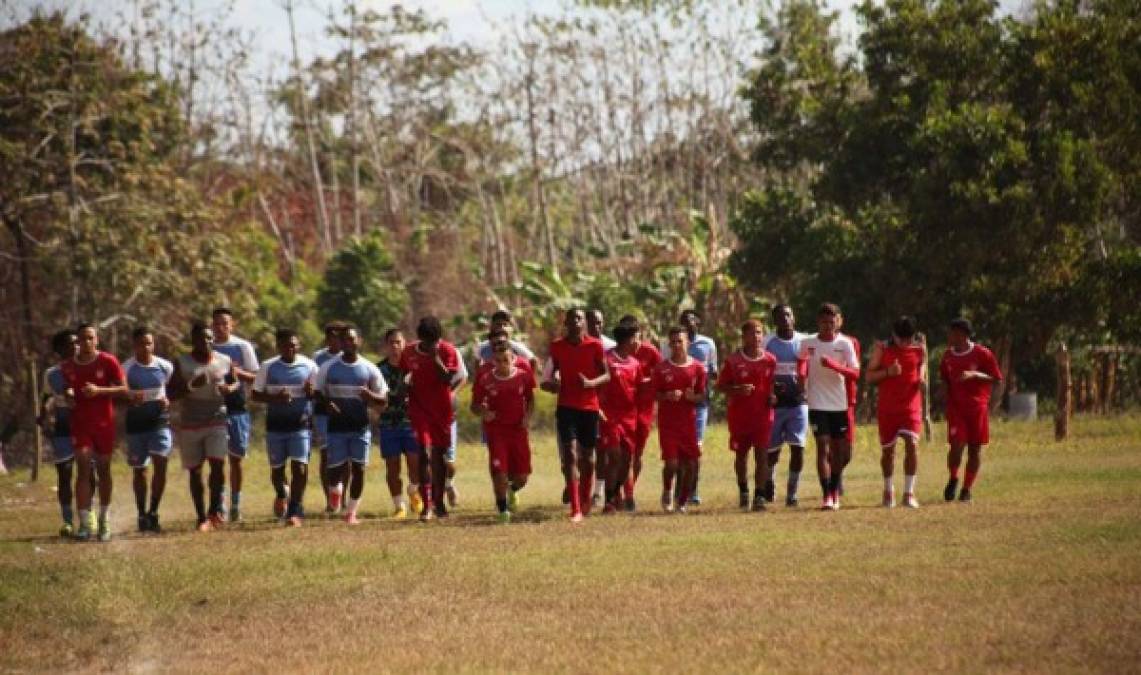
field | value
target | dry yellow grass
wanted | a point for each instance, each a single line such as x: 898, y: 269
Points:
x: 1042, y: 573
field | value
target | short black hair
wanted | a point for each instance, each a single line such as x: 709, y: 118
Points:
x: 677, y: 330
x: 963, y: 325
x: 284, y: 335
x: 903, y: 327
x: 689, y: 312
x: 222, y: 311
x: 198, y: 327
x: 140, y: 332
x: 84, y: 326
x: 630, y: 320
x: 828, y: 309
x: 501, y: 315
x: 429, y: 329
x: 334, y: 327
x: 390, y: 332
x: 624, y: 332
x: 496, y: 332
x: 62, y: 340
x: 779, y: 309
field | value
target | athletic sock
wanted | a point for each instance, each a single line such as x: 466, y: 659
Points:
x: 599, y: 487
x: 773, y: 473
x: 397, y: 501
x: 501, y: 504
x: 909, y: 484
x: 887, y: 486
x: 969, y: 479
x: 575, y: 497
x: 793, y: 482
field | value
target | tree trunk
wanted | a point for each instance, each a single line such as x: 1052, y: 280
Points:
x: 1064, y: 397
x: 307, y: 123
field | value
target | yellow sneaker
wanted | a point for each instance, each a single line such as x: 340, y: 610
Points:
x: 400, y: 513
x: 415, y: 500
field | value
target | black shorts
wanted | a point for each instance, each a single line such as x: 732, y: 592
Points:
x: 833, y: 423
x: 573, y: 424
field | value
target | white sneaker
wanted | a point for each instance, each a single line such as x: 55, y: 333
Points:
x: 910, y: 501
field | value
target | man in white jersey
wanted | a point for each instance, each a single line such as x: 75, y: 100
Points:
x: 831, y: 357
x: 245, y: 368
x: 596, y: 328
x: 285, y: 383
x: 149, y: 439
x: 790, y: 415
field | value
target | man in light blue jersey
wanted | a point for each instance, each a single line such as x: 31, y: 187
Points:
x: 331, y: 350
x: 702, y: 349
x: 285, y: 383
x: 790, y: 415
x: 348, y: 385
x: 245, y: 367
x: 149, y: 438
x: 55, y: 419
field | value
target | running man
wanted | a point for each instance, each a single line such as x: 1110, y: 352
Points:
x: 501, y: 320
x: 747, y: 381
x: 245, y: 365
x: 852, y: 386
x: 680, y: 384
x: 200, y: 383
x: 790, y: 416
x: 900, y: 369
x: 149, y: 438
x: 433, y: 367
x: 576, y: 368
x: 331, y: 350
x: 619, y: 402
x: 285, y: 383
x: 969, y: 371
x: 703, y: 350
x: 94, y: 378
x: 649, y: 356
x: 596, y: 328
x: 395, y: 430
x: 831, y: 360
x: 349, y: 384
x: 504, y: 397
x: 55, y: 420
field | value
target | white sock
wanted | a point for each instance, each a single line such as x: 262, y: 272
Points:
x: 773, y: 473
x: 449, y: 483
x: 887, y: 486
x: 909, y: 484
x: 398, y: 500
x: 339, y: 488
x: 600, y: 487
x: 352, y: 505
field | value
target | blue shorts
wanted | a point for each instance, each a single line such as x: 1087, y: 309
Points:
x: 353, y: 446
x: 238, y: 430
x: 790, y: 425
x: 396, y: 442
x: 62, y: 449
x: 702, y: 421
x: 450, y: 455
x: 281, y: 446
x: 140, y: 447
x: 320, y: 430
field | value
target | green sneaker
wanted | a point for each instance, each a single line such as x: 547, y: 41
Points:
x: 512, y: 501
x: 504, y: 517
x: 66, y: 530
x: 104, y: 531
x: 86, y: 527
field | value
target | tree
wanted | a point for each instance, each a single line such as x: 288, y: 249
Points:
x: 360, y: 285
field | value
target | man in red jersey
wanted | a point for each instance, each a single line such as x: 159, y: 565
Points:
x: 680, y: 385
x: 575, y: 369
x: 746, y: 379
x: 94, y: 378
x: 968, y: 371
x: 504, y: 397
x: 432, y: 364
x: 619, y: 413
x: 649, y: 357
x: 900, y: 369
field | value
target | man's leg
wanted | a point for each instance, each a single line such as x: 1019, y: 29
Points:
x: 235, y: 488
x: 602, y: 470
x: 439, y: 478
x: 238, y: 433
x: 795, y: 467
x: 669, y: 473
x: 761, y: 477
x: 197, y: 495
x: 217, y: 484
x: 280, y: 487
x: 741, y: 470
x: 887, y: 467
x: 823, y: 467
x: 299, y: 478
x: 323, y: 470
x: 974, y: 464
x: 158, y: 489
x: 64, y: 494
x: 139, y: 485
x: 413, y: 463
x: 585, y: 458
x: 910, y: 468
x: 395, y: 485
x: 839, y: 454
x: 954, y: 462
x: 450, y: 466
x: 103, y: 470
x: 685, y: 469
x: 356, y: 489
x: 568, y: 456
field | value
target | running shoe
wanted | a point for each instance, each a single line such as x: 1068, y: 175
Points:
x: 153, y: 524
x: 965, y: 495
x: 217, y: 520
x: 667, y: 502
x: 683, y: 509
x: 791, y: 502
x: 66, y: 530
x: 949, y: 491
x: 759, y: 503
x: 143, y: 523
x: 826, y: 505
x: 512, y: 501
x: 86, y: 528
x: 910, y: 501
x: 695, y: 499
x: 836, y: 500
x: 235, y: 514
x: 427, y: 514
x: 576, y: 517
x: 205, y: 525
x: 294, y: 521
x: 630, y: 505
x: 503, y: 517
x: 415, y: 500
x: 400, y: 513
x: 352, y: 519
x: 888, y: 499
x: 609, y: 509
x: 104, y: 531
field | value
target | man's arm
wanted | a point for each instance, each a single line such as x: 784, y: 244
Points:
x: 550, y: 384
x: 875, y: 373
x: 603, y: 378
x: 247, y: 370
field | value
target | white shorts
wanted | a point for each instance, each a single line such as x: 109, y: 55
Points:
x: 195, y: 446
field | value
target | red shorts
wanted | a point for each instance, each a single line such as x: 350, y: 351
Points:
x: 431, y: 434
x: 621, y: 434
x: 968, y: 425
x: 677, y: 446
x: 642, y: 429
x: 758, y: 438
x: 508, y: 451
x: 894, y: 425
x: 99, y: 438
x: 851, y: 425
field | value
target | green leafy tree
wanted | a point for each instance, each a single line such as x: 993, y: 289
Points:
x: 360, y: 285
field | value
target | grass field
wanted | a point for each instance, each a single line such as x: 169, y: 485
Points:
x: 1041, y: 573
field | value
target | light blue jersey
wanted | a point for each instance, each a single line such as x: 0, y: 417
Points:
x: 341, y: 384
x: 786, y: 386
x: 276, y: 376
x: 150, y: 380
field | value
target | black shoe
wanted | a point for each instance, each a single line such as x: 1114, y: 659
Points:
x: 743, y: 501
x: 630, y: 505
x: 144, y: 523
x: 965, y: 495
x: 791, y: 501
x: 152, y: 523
x: 949, y: 491
x: 759, y: 503
x: 770, y: 491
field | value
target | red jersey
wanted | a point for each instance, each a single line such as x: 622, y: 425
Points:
x: 678, y: 417
x: 619, y: 396
x: 488, y: 366
x: 571, y: 361
x: 901, y: 394
x: 972, y: 393
x: 507, y: 397
x: 430, y: 397
x: 746, y: 412
x: 103, y: 371
x: 649, y: 356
